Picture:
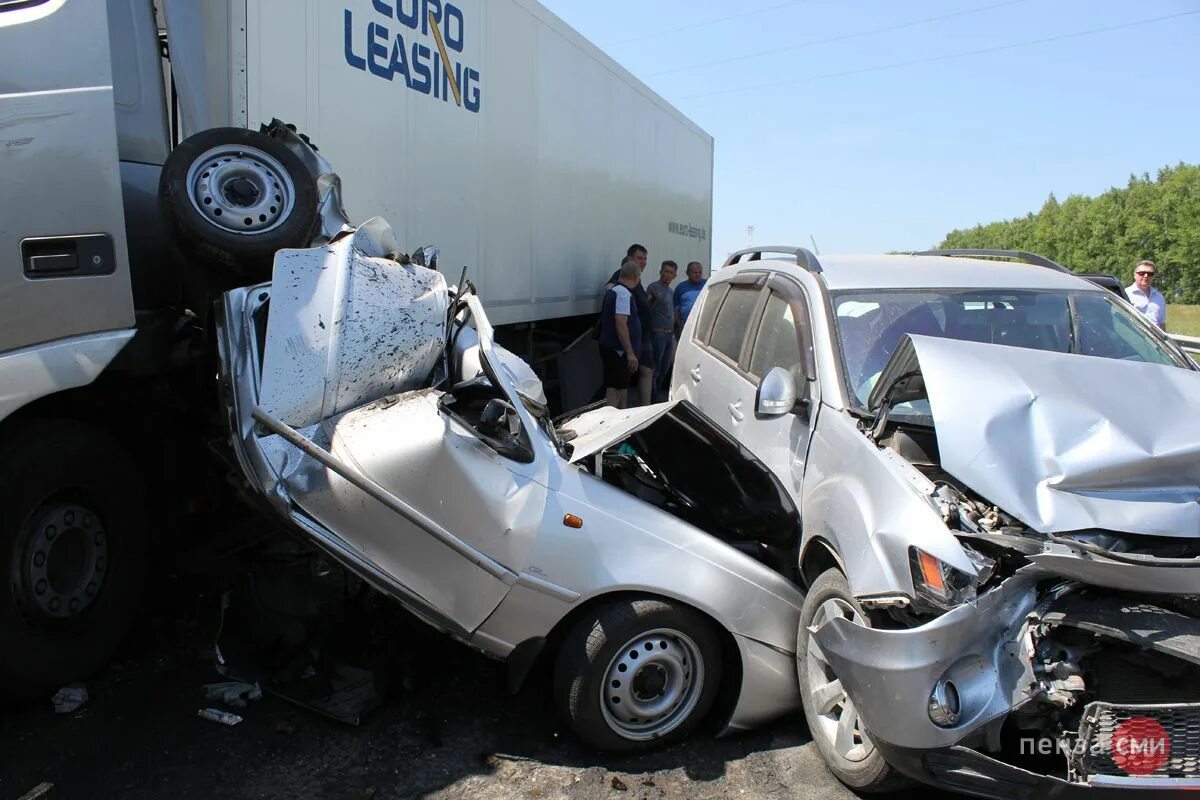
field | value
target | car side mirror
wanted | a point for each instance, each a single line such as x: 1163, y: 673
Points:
x: 776, y: 393
x: 499, y: 418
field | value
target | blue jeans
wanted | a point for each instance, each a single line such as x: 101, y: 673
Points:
x: 664, y: 360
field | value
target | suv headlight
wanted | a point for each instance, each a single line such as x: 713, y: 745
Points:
x: 939, y: 584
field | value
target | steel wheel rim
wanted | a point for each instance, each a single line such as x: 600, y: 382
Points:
x: 834, y: 718
x: 64, y: 560
x: 652, y: 684
x: 241, y: 189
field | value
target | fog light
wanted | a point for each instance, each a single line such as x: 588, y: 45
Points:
x: 945, y: 708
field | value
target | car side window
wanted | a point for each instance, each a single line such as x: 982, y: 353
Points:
x: 711, y: 303
x: 733, y: 320
x: 778, y: 341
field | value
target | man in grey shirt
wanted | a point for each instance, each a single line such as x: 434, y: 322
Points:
x: 662, y: 328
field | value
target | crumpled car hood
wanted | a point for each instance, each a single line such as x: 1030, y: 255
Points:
x: 1066, y: 442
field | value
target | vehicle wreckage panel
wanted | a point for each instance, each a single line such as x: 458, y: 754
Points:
x: 1066, y: 442
x: 348, y: 326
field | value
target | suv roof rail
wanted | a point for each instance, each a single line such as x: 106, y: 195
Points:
x: 804, y: 257
x: 1016, y: 255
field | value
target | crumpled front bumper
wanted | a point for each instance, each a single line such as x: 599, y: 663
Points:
x: 987, y: 648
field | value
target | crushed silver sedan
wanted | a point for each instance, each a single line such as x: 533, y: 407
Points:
x: 371, y: 409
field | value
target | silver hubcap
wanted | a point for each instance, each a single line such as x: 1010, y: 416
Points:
x: 652, y: 684
x: 66, y: 559
x: 836, y: 719
x: 241, y: 189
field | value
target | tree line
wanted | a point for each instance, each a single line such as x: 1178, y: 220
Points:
x: 1150, y: 218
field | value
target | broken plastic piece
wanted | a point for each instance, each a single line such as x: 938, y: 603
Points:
x: 217, y: 715
x: 232, y: 693
x: 69, y: 698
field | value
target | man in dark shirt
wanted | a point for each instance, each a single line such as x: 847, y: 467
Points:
x: 620, y: 334
x: 645, y: 378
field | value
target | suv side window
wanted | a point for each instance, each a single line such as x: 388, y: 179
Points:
x: 708, y: 311
x: 779, y: 340
x: 733, y: 320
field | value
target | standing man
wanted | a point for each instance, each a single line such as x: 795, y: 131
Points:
x: 645, y: 378
x: 687, y: 292
x: 1145, y: 297
x: 620, y: 333
x: 662, y: 327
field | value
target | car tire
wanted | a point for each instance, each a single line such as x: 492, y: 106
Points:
x: 72, y: 555
x: 232, y: 197
x: 854, y: 760
x: 637, y: 674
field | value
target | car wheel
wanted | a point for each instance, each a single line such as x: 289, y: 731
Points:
x: 833, y: 720
x: 72, y: 555
x: 637, y: 674
x: 233, y: 197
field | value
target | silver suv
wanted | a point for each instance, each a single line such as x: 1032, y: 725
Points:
x: 997, y: 468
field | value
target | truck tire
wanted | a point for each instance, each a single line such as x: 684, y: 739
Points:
x: 853, y: 759
x: 233, y: 197
x: 72, y: 554
x: 670, y: 649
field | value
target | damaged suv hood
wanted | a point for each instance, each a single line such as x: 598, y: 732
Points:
x: 1062, y: 442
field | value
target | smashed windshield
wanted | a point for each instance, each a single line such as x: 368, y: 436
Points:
x: 871, y: 323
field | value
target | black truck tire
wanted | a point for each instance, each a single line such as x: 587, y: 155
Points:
x: 72, y: 554
x: 232, y: 197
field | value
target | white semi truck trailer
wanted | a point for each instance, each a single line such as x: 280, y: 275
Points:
x: 134, y: 184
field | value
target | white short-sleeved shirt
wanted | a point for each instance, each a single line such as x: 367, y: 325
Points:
x: 624, y: 299
x: 1153, y: 306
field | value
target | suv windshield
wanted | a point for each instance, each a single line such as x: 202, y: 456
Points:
x: 871, y: 323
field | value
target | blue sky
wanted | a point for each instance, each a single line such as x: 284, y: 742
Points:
x: 894, y: 158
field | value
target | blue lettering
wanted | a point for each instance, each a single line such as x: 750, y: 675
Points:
x: 426, y: 6
x: 408, y: 16
x: 382, y: 8
x: 454, y: 27
x: 447, y: 92
x: 471, y: 98
x: 437, y: 75
x: 420, y: 66
x: 399, y: 63
x: 354, y: 60
x: 377, y: 37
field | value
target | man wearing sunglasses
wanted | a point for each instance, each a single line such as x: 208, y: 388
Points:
x: 1145, y: 297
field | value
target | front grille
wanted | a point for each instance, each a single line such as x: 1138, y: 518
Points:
x: 1123, y: 740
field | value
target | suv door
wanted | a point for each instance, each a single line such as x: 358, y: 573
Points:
x: 64, y: 270
x: 710, y: 361
x: 780, y: 337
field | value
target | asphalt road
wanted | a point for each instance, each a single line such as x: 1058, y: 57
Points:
x: 447, y: 728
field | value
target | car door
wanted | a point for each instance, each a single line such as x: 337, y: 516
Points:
x: 780, y: 336
x: 64, y: 270
x: 710, y: 363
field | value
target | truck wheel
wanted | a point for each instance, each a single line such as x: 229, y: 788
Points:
x: 832, y: 718
x: 637, y: 675
x: 72, y: 555
x: 234, y: 197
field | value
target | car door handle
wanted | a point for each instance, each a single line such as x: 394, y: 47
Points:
x: 735, y: 411
x: 695, y: 373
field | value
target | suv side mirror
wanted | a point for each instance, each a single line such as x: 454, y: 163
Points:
x: 776, y: 393
x: 499, y: 419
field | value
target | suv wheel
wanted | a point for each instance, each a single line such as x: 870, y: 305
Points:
x: 833, y: 720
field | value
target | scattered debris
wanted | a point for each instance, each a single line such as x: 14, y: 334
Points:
x: 69, y: 698
x: 217, y: 715
x: 233, y: 693
x: 41, y: 790
x: 619, y: 784
x: 284, y: 727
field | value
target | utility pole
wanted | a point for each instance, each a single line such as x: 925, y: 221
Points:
x: 749, y: 236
